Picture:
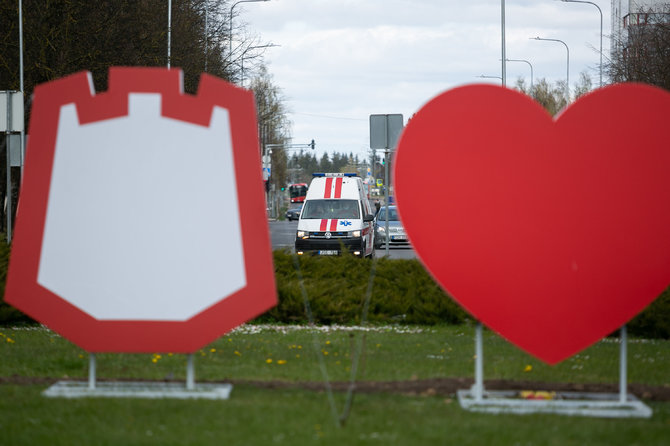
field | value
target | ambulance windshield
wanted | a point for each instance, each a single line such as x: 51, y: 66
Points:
x: 331, y: 209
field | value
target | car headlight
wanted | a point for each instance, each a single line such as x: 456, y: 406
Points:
x: 380, y: 229
x: 355, y: 233
x: 302, y: 234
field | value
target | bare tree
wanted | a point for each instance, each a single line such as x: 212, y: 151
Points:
x: 552, y: 97
x: 273, y: 123
x: 584, y: 85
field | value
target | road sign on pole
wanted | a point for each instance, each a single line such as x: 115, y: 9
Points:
x: 385, y: 131
x: 11, y: 111
x: 133, y: 253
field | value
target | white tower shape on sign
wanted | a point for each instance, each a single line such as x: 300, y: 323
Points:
x: 174, y: 185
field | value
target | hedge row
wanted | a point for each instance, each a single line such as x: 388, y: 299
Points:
x: 402, y: 291
x: 336, y: 288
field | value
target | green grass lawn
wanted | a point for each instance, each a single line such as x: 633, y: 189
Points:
x: 294, y: 416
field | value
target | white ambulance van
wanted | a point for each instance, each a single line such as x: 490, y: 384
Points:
x: 336, y: 217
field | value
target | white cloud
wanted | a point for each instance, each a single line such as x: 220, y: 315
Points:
x: 344, y: 60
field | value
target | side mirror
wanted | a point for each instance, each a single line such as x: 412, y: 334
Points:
x: 368, y: 217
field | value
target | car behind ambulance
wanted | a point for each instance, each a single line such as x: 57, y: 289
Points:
x: 336, y: 216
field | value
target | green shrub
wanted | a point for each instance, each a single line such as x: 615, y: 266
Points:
x: 654, y: 321
x: 336, y: 287
x: 402, y: 292
x: 8, y: 314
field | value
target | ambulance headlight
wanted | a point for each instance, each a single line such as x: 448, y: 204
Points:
x: 302, y: 234
x: 356, y: 234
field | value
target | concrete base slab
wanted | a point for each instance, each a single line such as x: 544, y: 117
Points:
x: 110, y: 389
x: 606, y: 405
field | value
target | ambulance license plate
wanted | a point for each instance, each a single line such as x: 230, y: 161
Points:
x: 398, y: 237
x: 328, y: 252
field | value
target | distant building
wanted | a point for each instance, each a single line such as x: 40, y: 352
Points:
x: 630, y: 13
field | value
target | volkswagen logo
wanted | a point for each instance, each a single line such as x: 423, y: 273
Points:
x: 328, y: 234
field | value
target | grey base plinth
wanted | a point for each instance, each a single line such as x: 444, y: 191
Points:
x: 606, y: 405
x: 80, y: 389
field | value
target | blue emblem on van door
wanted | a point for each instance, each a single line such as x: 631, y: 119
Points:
x: 345, y: 223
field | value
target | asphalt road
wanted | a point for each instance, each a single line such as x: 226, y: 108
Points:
x: 282, y: 234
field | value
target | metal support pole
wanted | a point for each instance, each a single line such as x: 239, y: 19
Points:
x: 22, y: 139
x: 623, y: 365
x: 91, y: 371
x: 479, y: 364
x: 8, y: 201
x: 190, y: 372
x: 504, y: 56
x: 169, y: 32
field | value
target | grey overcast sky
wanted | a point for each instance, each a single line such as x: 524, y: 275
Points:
x: 341, y: 60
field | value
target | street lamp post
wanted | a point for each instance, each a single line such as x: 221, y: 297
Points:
x: 531, y: 69
x: 269, y: 45
x: 601, y: 33
x: 230, y: 20
x: 483, y: 76
x: 567, y: 78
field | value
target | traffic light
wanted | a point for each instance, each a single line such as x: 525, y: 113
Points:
x: 283, y: 188
x: 313, y: 144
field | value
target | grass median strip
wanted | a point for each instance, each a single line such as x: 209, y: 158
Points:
x: 404, y: 396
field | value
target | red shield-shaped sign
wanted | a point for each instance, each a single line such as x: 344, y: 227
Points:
x: 142, y: 225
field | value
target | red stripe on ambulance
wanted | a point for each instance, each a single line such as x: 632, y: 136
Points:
x: 324, y: 224
x: 338, y: 188
x: 329, y: 185
x: 333, y: 225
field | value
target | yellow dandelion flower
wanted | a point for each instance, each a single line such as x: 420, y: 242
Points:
x: 300, y: 347
x: 268, y: 361
x: 297, y: 356
x: 281, y: 362
x: 154, y: 360
x: 81, y: 356
x: 327, y: 342
x: 325, y: 353
x: 528, y: 368
x: 212, y: 350
x: 10, y: 340
x: 238, y: 353
x: 378, y: 345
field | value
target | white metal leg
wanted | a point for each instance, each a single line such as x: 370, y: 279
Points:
x: 190, y: 372
x: 91, y: 371
x: 479, y: 363
x: 623, y: 365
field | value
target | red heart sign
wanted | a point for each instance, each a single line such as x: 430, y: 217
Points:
x: 553, y: 233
